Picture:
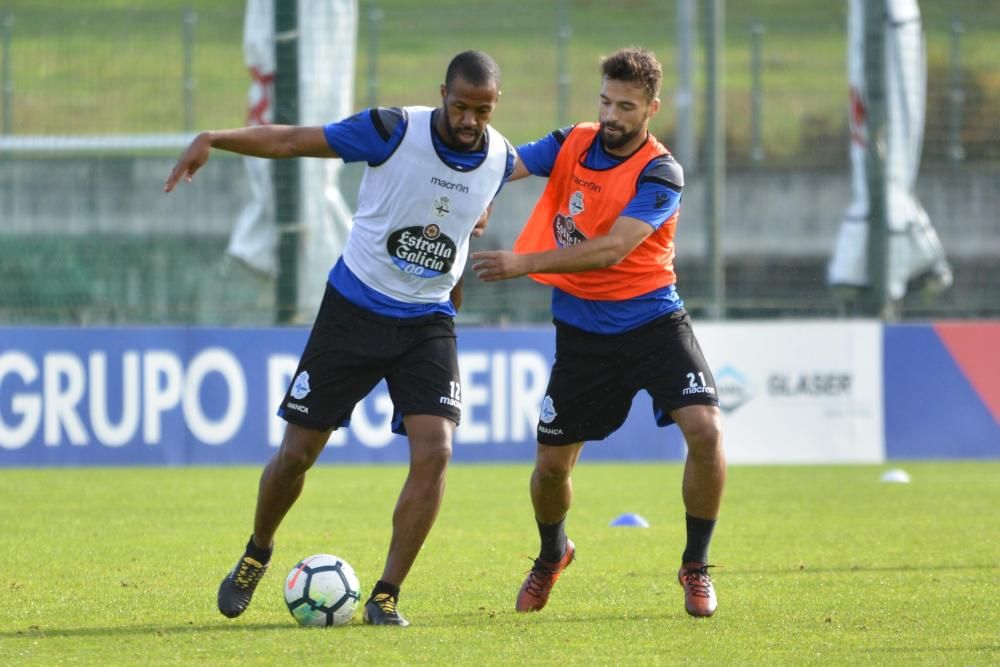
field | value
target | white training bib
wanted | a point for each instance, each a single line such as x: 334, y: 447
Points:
x: 415, y: 215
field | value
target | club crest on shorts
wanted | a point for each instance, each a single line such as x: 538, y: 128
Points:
x: 300, y: 388
x: 548, y: 410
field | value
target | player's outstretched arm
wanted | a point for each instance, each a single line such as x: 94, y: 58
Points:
x: 267, y: 141
x: 596, y: 253
x: 190, y: 161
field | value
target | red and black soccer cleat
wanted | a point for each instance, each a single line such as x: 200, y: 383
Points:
x: 535, y: 590
x: 699, y: 594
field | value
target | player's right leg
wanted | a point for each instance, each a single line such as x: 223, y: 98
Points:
x: 587, y: 398
x: 347, y: 353
x: 280, y: 485
x: 551, y: 496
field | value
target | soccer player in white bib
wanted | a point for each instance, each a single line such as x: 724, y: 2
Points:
x: 388, y: 311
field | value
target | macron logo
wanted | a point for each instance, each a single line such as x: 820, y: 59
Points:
x: 457, y: 187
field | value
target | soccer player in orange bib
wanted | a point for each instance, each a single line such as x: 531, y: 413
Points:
x: 602, y: 235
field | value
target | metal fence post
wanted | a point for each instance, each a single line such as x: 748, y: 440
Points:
x: 876, y: 117
x: 285, y: 173
x: 715, y: 155
x: 563, y: 33
x: 756, y: 93
x: 190, y: 21
x: 956, y: 95
x: 684, y: 95
x: 6, y: 83
x: 375, y: 16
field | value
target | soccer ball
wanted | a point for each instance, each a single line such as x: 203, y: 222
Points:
x: 322, y: 591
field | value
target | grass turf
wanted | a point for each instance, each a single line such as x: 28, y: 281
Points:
x: 821, y: 565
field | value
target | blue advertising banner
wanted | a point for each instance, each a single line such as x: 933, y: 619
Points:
x: 139, y: 396
x: 942, y: 387
x: 188, y: 396
x: 174, y: 396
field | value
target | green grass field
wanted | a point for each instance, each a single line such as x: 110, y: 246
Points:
x: 821, y: 565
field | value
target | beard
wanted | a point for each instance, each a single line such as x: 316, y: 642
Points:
x: 460, y: 141
x: 619, y: 141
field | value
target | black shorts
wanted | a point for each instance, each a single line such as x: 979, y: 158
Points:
x: 351, y: 349
x: 596, y: 376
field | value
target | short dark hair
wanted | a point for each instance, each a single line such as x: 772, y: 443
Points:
x: 635, y: 65
x: 476, y: 67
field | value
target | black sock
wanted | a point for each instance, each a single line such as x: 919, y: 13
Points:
x: 384, y: 587
x: 553, y: 540
x: 262, y: 556
x: 699, y: 534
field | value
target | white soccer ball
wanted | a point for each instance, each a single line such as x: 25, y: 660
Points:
x: 322, y: 591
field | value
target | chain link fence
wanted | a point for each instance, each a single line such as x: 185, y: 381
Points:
x: 96, y: 101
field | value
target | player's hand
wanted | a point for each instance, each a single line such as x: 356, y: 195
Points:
x: 493, y: 265
x: 190, y: 161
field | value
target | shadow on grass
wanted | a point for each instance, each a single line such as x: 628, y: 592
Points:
x: 512, y: 618
x: 435, y: 621
x: 902, y: 567
x: 35, y: 632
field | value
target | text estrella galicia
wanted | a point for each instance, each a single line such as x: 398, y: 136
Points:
x: 423, y: 252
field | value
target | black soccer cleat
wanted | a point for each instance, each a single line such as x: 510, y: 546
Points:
x: 237, y: 588
x: 381, y: 610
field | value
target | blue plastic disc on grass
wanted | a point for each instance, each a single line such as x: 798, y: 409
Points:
x: 630, y: 520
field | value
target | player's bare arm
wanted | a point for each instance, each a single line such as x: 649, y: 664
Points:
x: 595, y: 253
x: 267, y: 141
x: 520, y: 171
